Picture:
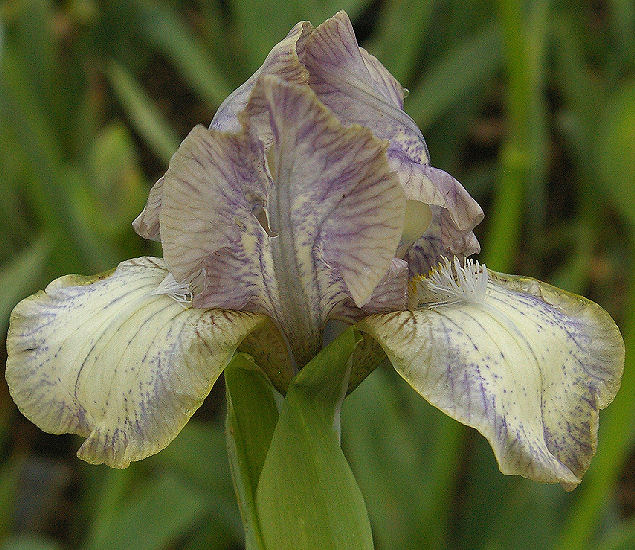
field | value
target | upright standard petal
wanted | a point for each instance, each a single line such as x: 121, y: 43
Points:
x: 525, y: 363
x: 109, y: 359
x: 359, y: 89
x: 282, y: 62
x: 291, y: 231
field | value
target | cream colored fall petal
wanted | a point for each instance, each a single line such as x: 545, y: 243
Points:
x: 525, y: 363
x: 109, y: 359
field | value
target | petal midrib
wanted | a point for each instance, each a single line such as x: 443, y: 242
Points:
x: 298, y: 322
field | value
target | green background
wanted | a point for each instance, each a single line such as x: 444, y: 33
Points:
x: 531, y: 105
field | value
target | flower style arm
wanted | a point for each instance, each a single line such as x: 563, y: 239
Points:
x: 290, y: 230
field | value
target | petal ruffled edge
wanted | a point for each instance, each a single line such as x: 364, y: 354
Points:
x: 454, y: 215
x: 108, y: 358
x: 282, y: 62
x: 147, y: 224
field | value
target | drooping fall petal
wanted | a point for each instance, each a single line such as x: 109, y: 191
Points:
x: 525, y: 363
x: 108, y: 358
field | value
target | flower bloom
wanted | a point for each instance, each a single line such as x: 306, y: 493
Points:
x: 309, y: 199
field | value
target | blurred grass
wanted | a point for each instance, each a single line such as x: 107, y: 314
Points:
x: 530, y: 104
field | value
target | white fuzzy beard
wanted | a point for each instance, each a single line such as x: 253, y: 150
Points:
x: 451, y: 283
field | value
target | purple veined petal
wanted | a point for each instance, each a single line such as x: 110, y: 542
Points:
x: 358, y: 89
x: 146, y: 224
x: 111, y: 359
x: 525, y: 363
x: 281, y: 62
x: 441, y: 239
x: 390, y: 294
x: 454, y: 214
x: 332, y: 206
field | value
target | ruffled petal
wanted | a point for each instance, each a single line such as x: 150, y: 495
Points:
x: 146, y: 224
x: 358, y: 89
x: 281, y: 62
x: 454, y: 214
x: 292, y: 236
x: 390, y: 294
x: 108, y: 358
x: 525, y: 363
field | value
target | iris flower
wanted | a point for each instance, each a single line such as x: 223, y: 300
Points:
x: 311, y: 201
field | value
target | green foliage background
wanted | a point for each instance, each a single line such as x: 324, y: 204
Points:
x: 530, y: 104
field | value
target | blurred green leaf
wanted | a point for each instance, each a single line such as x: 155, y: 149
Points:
x: 616, y: 441
x: 199, y: 456
x: 161, y: 511
x: 461, y: 71
x: 32, y: 33
x: 165, y: 30
x: 623, y: 18
x: 520, y: 188
x: 9, y: 477
x: 621, y: 537
x: 147, y: 119
x: 21, y: 276
x: 106, y: 503
x: 398, y: 38
x: 616, y: 149
x: 261, y: 25
x: 404, y: 454
x: 29, y: 542
x: 116, y: 186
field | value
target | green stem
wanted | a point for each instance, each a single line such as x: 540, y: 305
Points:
x: 251, y: 419
x: 294, y: 484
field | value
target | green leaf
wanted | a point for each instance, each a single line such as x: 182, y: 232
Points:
x: 521, y: 187
x: 616, y: 149
x: 616, y: 440
x: 397, y: 43
x: 21, y: 276
x: 462, y: 71
x: 164, y: 509
x: 117, y: 190
x: 199, y: 457
x: 621, y: 537
x: 251, y: 420
x: 404, y: 454
x: 106, y: 502
x: 29, y: 542
x: 9, y: 477
x: 166, y: 31
x: 146, y: 118
x: 307, y: 497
